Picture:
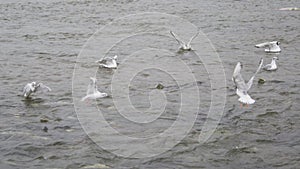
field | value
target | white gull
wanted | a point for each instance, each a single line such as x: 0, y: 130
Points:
x: 34, y: 87
x: 92, y: 91
x: 242, y: 87
x: 270, y: 47
x: 108, y: 62
x: 184, y: 46
x: 272, y: 65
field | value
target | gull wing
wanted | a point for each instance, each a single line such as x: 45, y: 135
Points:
x: 92, y: 87
x: 265, y: 44
x: 192, y: 38
x: 237, y: 77
x: 103, y: 61
x: 267, y: 67
x: 43, y: 87
x: 85, y: 97
x: 250, y: 82
x: 180, y: 42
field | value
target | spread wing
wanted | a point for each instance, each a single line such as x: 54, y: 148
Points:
x: 237, y: 77
x: 250, y: 82
x: 192, y: 38
x: 180, y: 42
x: 43, y: 88
x: 92, y: 87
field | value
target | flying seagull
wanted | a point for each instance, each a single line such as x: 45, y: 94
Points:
x: 270, y: 47
x: 108, y: 62
x: 184, y: 46
x: 272, y: 65
x: 34, y: 87
x: 242, y: 87
x: 92, y: 91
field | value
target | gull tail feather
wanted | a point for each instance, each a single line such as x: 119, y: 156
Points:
x: 246, y: 99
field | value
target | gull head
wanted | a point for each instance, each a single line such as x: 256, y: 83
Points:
x: 34, y: 84
x: 104, y: 94
x: 275, y: 58
x: 241, y: 64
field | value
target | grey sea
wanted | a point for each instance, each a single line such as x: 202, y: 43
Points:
x: 42, y: 41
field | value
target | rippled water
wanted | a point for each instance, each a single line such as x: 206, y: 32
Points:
x: 41, y: 41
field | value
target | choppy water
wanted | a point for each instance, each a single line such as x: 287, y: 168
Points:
x: 41, y: 41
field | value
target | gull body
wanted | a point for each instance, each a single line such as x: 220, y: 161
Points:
x: 242, y: 87
x: 92, y: 91
x: 272, y: 65
x: 34, y: 87
x: 270, y: 47
x: 290, y: 9
x: 184, y: 46
x: 108, y: 62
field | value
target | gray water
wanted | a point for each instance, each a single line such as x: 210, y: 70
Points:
x: 40, y: 41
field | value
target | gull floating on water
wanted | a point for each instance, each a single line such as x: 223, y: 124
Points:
x: 272, y: 65
x: 184, y: 46
x: 34, y: 87
x: 271, y: 47
x: 242, y: 87
x: 289, y: 9
x: 92, y: 91
x: 108, y: 62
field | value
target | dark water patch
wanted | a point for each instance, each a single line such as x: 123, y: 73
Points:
x: 239, y: 150
x: 268, y: 114
x: 62, y: 128
x: 261, y: 141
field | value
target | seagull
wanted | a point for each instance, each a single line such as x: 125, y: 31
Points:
x: 184, y: 46
x: 270, y: 47
x: 33, y: 87
x: 241, y: 86
x: 290, y: 9
x: 92, y: 91
x: 108, y: 62
x: 272, y: 65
